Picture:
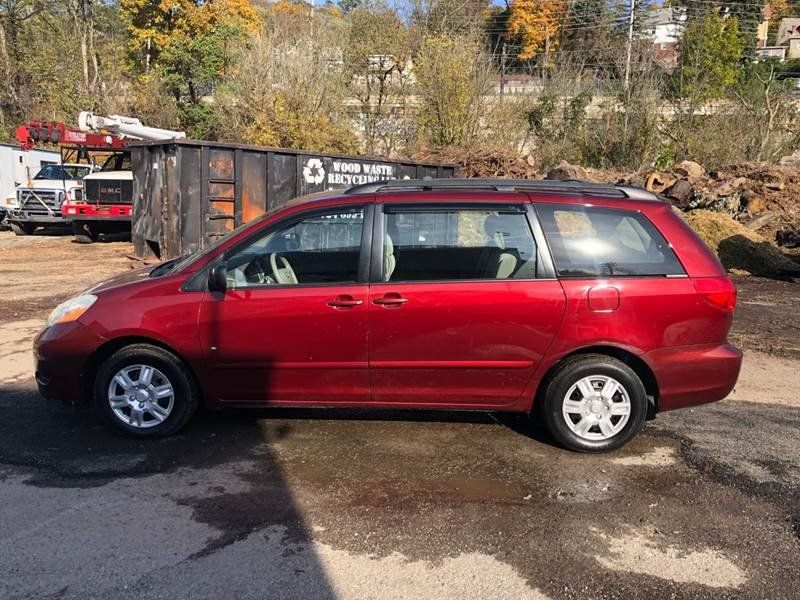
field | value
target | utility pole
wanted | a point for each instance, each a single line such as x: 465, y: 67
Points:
x: 503, y: 57
x: 630, y: 45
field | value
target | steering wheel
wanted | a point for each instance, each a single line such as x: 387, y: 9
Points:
x: 283, y: 274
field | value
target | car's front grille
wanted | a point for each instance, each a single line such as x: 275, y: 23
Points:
x: 108, y: 191
x: 40, y: 202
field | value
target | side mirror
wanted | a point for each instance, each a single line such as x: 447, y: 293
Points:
x: 218, y: 278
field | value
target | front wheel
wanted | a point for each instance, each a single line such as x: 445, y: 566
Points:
x: 145, y: 391
x: 84, y: 233
x: 23, y: 228
x: 594, y: 403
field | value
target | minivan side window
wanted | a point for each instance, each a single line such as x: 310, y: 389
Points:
x: 457, y: 244
x: 319, y: 249
x: 588, y: 241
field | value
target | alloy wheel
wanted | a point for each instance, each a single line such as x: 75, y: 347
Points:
x: 596, y: 407
x: 141, y: 396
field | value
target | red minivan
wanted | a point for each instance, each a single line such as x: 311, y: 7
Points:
x: 594, y: 304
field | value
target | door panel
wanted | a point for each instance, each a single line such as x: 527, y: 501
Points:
x: 288, y: 344
x: 465, y: 344
x: 292, y: 326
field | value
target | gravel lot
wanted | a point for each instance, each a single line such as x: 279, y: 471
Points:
x: 384, y: 504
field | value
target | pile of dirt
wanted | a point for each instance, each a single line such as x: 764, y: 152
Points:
x: 483, y: 162
x: 740, y: 248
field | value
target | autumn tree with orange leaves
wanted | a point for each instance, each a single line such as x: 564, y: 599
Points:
x: 536, y: 24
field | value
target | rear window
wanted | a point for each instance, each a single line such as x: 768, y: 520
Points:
x: 599, y: 242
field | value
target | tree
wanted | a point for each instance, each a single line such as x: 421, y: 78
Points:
x: 377, y: 71
x: 769, y: 110
x: 748, y: 14
x: 189, y: 68
x: 187, y: 44
x: 13, y: 17
x: 589, y: 34
x: 456, y: 17
x: 154, y: 24
x: 348, y: 5
x: 453, y: 77
x: 288, y: 87
x: 536, y: 25
x: 710, y: 53
x: 81, y: 13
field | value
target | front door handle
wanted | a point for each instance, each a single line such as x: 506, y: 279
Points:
x: 345, y: 302
x: 390, y: 299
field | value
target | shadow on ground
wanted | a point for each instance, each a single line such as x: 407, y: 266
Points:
x: 67, y: 453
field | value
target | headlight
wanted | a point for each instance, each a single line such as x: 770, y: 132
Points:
x: 71, y: 309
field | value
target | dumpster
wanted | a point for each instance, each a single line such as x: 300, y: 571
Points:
x: 187, y: 193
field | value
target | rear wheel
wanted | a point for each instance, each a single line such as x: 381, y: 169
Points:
x: 23, y: 228
x: 145, y: 391
x: 594, y: 403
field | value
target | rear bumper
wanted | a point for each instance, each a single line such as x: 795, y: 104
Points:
x: 61, y: 354
x: 693, y: 375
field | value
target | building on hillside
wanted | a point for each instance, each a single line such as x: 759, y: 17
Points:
x: 789, y: 36
x: 665, y: 26
x: 764, y: 52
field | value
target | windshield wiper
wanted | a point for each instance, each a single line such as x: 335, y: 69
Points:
x: 163, y: 268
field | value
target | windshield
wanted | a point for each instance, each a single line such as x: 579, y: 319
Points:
x: 117, y: 162
x: 176, y: 264
x: 63, y: 172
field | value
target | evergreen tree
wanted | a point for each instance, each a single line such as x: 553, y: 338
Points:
x: 748, y: 13
x: 589, y: 32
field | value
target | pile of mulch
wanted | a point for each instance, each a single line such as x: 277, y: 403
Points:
x: 739, y: 248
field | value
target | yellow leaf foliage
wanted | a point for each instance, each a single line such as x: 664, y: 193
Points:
x: 158, y: 22
x: 534, y: 22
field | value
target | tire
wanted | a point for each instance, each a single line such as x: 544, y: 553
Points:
x: 580, y: 417
x: 23, y: 228
x: 162, y: 413
x: 83, y: 232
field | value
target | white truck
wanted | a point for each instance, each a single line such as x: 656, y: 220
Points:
x: 39, y: 201
x: 17, y: 166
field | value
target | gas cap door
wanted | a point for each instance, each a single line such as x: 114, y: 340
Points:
x: 603, y: 298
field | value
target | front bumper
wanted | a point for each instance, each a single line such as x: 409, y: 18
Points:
x: 88, y: 212
x: 23, y: 216
x: 61, y: 356
x: 693, y: 375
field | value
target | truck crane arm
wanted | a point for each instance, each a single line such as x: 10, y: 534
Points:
x: 126, y: 127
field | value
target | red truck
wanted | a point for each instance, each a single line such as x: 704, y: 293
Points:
x: 107, y: 201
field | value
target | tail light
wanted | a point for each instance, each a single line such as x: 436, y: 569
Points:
x: 717, y: 291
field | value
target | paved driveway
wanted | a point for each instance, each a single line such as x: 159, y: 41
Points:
x: 304, y: 504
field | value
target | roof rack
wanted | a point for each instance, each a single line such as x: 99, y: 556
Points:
x: 570, y: 186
